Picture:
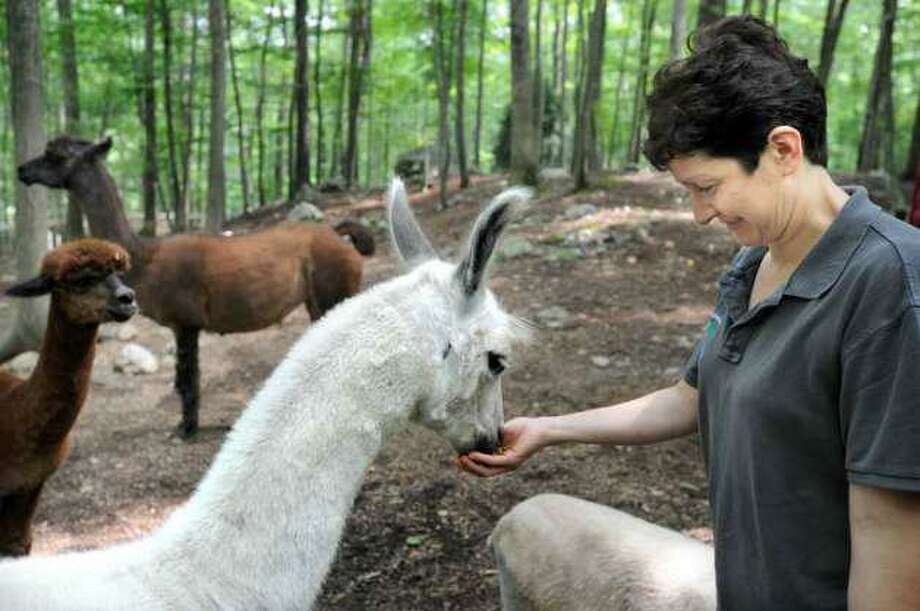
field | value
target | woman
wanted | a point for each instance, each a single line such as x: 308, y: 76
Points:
x: 804, y: 385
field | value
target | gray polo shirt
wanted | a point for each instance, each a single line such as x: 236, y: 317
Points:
x: 816, y: 387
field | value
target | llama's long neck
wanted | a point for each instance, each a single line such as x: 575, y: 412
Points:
x: 95, y: 189
x: 61, y: 376
x: 263, y: 528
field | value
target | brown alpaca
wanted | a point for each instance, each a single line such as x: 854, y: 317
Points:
x: 36, y: 415
x: 203, y: 282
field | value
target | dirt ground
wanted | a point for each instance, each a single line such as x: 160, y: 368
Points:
x: 635, y: 291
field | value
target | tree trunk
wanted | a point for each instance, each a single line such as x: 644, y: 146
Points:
x: 776, y: 4
x: 320, y: 142
x: 645, y: 44
x: 174, y: 188
x: 833, y: 21
x: 217, y: 180
x: 301, y: 170
x: 150, y: 127
x: 337, y: 153
x: 442, y: 73
x: 71, y: 105
x: 538, y: 91
x: 762, y: 13
x: 563, y: 81
x: 460, y: 127
x: 23, y: 31
x: 477, y: 130
x: 260, y: 109
x: 582, y: 143
x: 913, y: 155
x: 358, y: 66
x: 617, y: 106
x: 679, y: 28
x: 180, y: 221
x: 710, y: 11
x: 524, y: 168
x: 240, y: 137
x: 871, y: 143
x: 746, y: 7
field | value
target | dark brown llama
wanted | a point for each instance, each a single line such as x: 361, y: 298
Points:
x: 37, y: 414
x: 221, y: 284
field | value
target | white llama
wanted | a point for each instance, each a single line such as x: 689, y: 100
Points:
x: 262, y: 529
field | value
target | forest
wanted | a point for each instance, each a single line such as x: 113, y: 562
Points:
x: 219, y: 107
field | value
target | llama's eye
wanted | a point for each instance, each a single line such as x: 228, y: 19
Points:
x: 496, y: 363
x: 447, y: 350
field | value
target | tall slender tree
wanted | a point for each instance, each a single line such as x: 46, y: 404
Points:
x: 872, y: 142
x: 833, y: 21
x: 240, y: 134
x: 260, y: 106
x: 442, y: 72
x: 23, y: 32
x: 582, y: 143
x: 561, y: 93
x: 359, y: 64
x: 524, y: 161
x: 180, y: 218
x: 460, y: 93
x: 150, y: 125
x: 174, y: 186
x: 679, y: 27
x: 317, y: 91
x: 645, y: 43
x: 217, y: 179
x: 71, y: 87
x: 538, y: 90
x: 477, y: 129
x: 300, y: 174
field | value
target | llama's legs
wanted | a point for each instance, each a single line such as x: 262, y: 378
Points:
x: 557, y: 553
x: 16, y: 511
x: 187, y: 378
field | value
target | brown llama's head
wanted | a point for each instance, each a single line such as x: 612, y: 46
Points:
x: 62, y: 157
x: 86, y: 278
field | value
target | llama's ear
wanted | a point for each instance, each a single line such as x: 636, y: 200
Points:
x: 486, y: 231
x: 40, y: 285
x: 98, y: 150
x: 407, y: 236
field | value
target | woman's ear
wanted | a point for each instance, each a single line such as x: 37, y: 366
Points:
x: 786, y: 149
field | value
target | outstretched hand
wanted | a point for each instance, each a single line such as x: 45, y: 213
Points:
x: 521, y: 439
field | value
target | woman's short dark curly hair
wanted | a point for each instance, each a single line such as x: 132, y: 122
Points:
x: 738, y: 83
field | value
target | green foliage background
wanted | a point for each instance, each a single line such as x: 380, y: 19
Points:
x: 400, y: 110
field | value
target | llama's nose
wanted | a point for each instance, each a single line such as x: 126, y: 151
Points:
x: 486, y: 445
x: 124, y: 295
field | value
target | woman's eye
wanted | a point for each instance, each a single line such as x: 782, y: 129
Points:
x: 496, y: 363
x: 708, y: 190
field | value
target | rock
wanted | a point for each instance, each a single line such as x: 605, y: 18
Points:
x: 168, y: 361
x: 516, y: 247
x: 600, y: 361
x: 307, y: 194
x: 579, y: 210
x: 136, y: 359
x: 22, y: 364
x: 555, y: 317
x: 553, y: 173
x: 305, y: 212
x: 126, y: 332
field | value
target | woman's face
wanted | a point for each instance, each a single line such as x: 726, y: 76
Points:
x: 753, y: 206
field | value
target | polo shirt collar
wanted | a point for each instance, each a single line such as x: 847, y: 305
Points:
x: 827, y: 259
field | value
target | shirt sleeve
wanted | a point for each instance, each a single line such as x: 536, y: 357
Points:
x: 880, y: 405
x: 692, y: 366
